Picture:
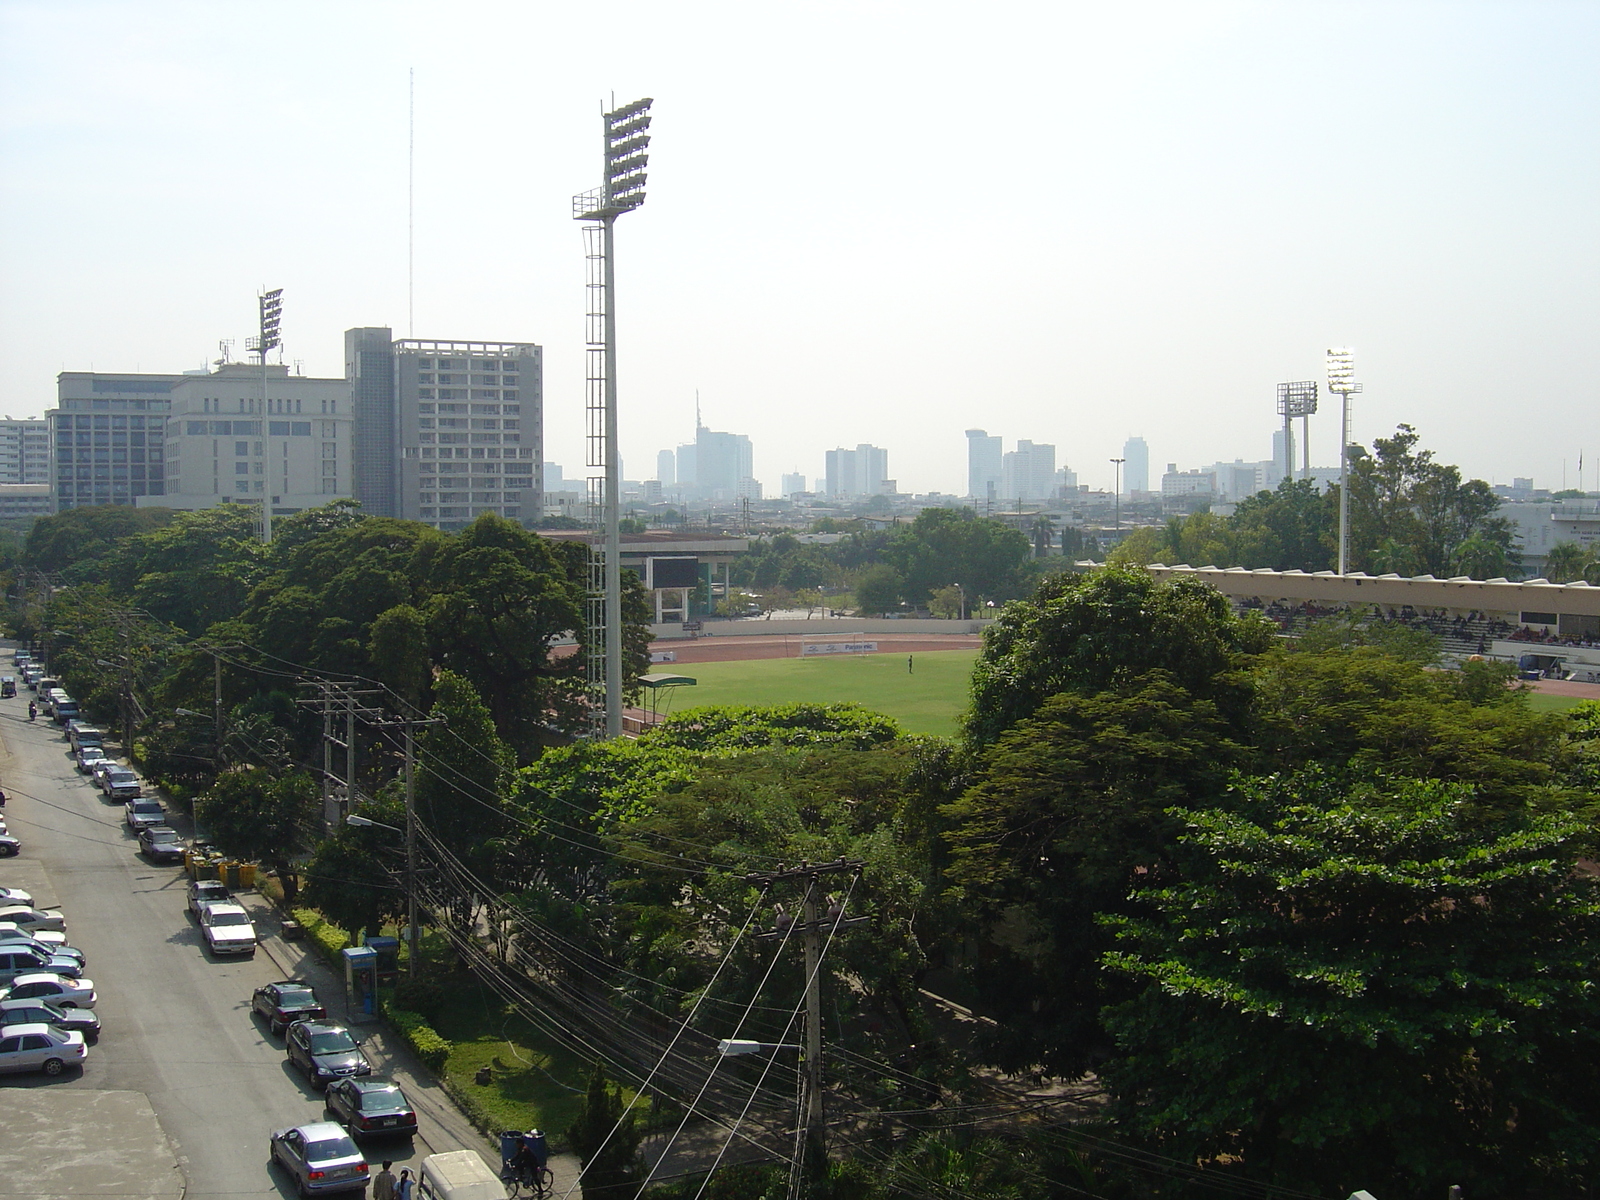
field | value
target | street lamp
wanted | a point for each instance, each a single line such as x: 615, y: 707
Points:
x: 963, y: 594
x: 409, y: 833
x: 1342, y: 382
x: 624, y: 141
x: 271, y: 304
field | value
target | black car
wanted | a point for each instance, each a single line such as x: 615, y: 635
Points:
x: 285, y: 1002
x: 371, y: 1107
x: 161, y: 843
x: 24, y: 1012
x: 9, y: 846
x: 325, y: 1051
x: 207, y: 891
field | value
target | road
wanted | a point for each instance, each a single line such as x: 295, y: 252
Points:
x: 176, y: 1023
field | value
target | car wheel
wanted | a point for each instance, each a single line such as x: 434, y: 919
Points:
x: 7, y: 851
x: 54, y: 1066
x: 65, y: 1004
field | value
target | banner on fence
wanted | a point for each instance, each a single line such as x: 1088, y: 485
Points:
x: 809, y: 648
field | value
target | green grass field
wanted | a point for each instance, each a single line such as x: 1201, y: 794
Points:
x: 1542, y: 703
x: 928, y: 699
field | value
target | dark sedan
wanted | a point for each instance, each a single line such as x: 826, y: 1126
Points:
x: 283, y: 1003
x: 24, y: 1012
x: 371, y: 1107
x: 325, y: 1051
x: 161, y: 844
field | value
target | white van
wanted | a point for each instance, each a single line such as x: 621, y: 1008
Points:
x: 458, y: 1175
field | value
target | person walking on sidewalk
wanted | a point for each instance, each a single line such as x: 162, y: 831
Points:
x: 383, y: 1182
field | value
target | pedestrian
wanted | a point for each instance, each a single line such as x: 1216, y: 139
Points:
x: 402, y: 1190
x: 383, y: 1182
x: 908, y: 665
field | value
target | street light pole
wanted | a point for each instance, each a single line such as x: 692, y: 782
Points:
x: 410, y: 834
x: 1341, y: 381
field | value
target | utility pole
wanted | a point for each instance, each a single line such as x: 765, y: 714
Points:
x: 810, y: 1163
x: 1117, y: 488
x: 413, y: 929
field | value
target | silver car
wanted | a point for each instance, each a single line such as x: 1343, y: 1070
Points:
x: 321, y: 1157
x: 64, y: 993
x: 145, y: 812
x: 34, y: 918
x: 41, y: 1048
x: 10, y: 896
x: 16, y: 961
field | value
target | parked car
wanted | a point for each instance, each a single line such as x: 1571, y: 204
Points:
x: 321, y: 1158
x: 99, y: 770
x: 227, y: 929
x: 81, y: 734
x: 34, y: 918
x: 42, y: 1048
x: 16, y: 961
x: 10, y: 931
x: 160, y: 843
x: 12, y: 936
x: 207, y: 891
x: 144, y: 812
x: 63, y: 993
x: 89, y: 757
x: 64, y: 709
x: 23, y: 1012
x: 371, y: 1106
x: 119, y: 783
x: 325, y: 1051
x: 9, y: 846
x: 8, y: 686
x: 285, y: 1002
x: 15, y: 896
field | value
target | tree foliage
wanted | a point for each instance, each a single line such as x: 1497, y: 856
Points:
x: 251, y: 814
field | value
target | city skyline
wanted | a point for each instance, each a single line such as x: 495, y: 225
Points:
x: 1232, y: 188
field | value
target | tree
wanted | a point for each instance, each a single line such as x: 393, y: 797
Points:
x: 354, y: 879
x: 1292, y: 528
x: 1365, y: 986
x: 878, y: 589
x: 195, y: 571
x: 1567, y: 561
x: 78, y: 540
x: 606, y: 1142
x: 249, y: 814
x: 399, y: 651
x: 1084, y: 632
x: 946, y: 545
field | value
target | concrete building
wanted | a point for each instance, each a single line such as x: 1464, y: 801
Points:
x: 863, y: 471
x: 721, y: 462
x: 1028, y: 472
x: 226, y: 443
x: 24, y: 501
x: 446, y: 430
x: 1135, y: 466
x: 984, y: 465
x: 107, y: 437
x: 25, y: 451
x: 666, y: 468
x: 792, y: 485
x: 1179, y: 488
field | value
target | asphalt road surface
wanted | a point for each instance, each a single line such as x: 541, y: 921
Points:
x: 176, y: 1024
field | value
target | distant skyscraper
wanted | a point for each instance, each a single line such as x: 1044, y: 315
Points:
x: 1136, y: 465
x: 863, y: 471
x: 984, y: 466
x: 667, y: 468
x: 793, y: 484
x: 722, y: 460
x: 1028, y: 472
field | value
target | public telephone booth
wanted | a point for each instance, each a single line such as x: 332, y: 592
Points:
x: 361, y: 983
x: 388, y: 952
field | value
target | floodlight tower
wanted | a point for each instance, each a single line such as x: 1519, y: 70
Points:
x: 271, y: 304
x: 1296, y: 400
x: 1342, y: 382
x: 623, y: 141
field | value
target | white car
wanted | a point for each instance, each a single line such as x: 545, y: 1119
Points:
x: 227, y: 928
x: 15, y: 896
x: 143, y: 812
x: 63, y: 993
x: 31, y: 919
x: 50, y: 937
x: 41, y: 1048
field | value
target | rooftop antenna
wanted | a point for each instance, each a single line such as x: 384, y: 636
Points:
x: 411, y: 214
x: 698, y: 425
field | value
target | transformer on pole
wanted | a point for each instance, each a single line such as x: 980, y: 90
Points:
x: 623, y: 140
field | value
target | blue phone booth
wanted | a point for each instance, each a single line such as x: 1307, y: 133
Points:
x: 361, y: 983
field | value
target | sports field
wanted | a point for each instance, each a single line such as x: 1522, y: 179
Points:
x: 927, y: 699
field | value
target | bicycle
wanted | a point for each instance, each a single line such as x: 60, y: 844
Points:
x: 535, y: 1182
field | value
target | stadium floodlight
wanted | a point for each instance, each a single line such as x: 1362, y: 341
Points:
x: 270, y: 337
x: 1298, y: 399
x: 625, y: 138
x: 1342, y: 382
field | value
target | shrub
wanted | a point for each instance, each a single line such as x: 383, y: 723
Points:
x: 425, y: 996
x: 328, y: 938
x: 428, y: 1046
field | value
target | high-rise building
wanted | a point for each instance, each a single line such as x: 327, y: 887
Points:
x: 1135, y: 466
x: 107, y: 437
x: 227, y: 443
x: 666, y: 468
x: 792, y: 485
x: 863, y: 471
x: 25, y: 451
x: 446, y: 430
x: 1028, y: 472
x: 721, y: 461
x: 985, y: 469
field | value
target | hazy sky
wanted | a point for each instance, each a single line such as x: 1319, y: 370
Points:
x: 867, y: 222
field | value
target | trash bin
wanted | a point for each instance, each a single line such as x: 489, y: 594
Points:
x: 247, y: 875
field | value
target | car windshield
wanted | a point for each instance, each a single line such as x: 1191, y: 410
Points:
x: 119, y: 776
x: 230, y: 918
x: 332, y: 1043
x: 330, y: 1148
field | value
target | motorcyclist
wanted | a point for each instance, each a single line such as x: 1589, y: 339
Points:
x: 33, y: 710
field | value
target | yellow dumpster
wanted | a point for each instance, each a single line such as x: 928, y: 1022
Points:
x: 228, y: 872
x: 247, y: 875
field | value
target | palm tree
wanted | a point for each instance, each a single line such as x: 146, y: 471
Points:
x: 1565, y: 562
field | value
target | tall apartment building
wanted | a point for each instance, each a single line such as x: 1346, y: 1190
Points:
x: 1135, y: 466
x: 226, y: 442
x: 107, y: 437
x: 863, y: 471
x: 24, y: 451
x: 1028, y: 472
x: 985, y: 469
x: 722, y: 462
x: 446, y: 430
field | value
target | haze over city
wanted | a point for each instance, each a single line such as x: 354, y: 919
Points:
x: 877, y: 223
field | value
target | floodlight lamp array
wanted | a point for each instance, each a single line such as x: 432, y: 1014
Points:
x: 1342, y: 370
x: 1298, y: 399
x: 626, y: 142
x: 271, y: 320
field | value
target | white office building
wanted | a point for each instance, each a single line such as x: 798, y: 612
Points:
x: 227, y: 443
x: 24, y: 451
x: 1028, y: 472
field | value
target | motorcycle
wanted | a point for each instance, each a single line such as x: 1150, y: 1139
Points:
x: 33, y: 711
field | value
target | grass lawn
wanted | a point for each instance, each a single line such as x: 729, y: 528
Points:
x: 1540, y: 702
x: 927, y: 699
